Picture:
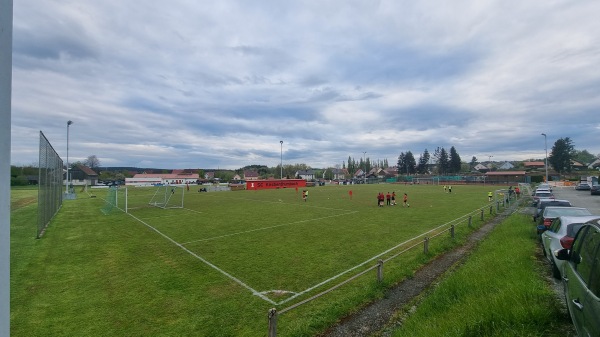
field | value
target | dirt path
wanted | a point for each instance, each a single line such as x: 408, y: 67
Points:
x: 375, y: 318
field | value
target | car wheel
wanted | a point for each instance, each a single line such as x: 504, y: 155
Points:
x: 555, y: 271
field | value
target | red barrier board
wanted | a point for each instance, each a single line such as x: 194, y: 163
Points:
x: 275, y: 183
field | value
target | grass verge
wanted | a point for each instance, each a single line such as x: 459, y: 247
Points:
x: 498, y: 291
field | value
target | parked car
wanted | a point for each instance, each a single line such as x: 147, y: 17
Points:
x: 583, y: 187
x: 595, y: 189
x: 545, y: 186
x: 543, y: 203
x: 541, y: 194
x: 560, y: 235
x: 551, y: 213
x: 581, y: 279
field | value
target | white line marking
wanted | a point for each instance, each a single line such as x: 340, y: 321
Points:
x: 238, y: 281
x: 357, y: 266
x: 265, y: 228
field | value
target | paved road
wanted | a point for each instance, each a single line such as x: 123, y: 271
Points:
x: 579, y: 198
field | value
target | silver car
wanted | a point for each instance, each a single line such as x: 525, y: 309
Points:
x: 581, y: 279
x: 560, y: 235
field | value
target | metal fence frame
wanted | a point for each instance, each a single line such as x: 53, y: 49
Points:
x: 50, y: 184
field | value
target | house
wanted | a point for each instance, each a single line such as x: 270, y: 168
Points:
x: 506, y: 166
x: 305, y: 174
x: 340, y: 174
x: 390, y: 171
x: 250, y: 175
x: 575, y: 165
x: 149, y: 179
x: 595, y: 164
x: 83, y: 175
x: 359, y: 174
x: 209, y: 175
x: 534, y: 165
x: 376, y: 172
x: 481, y: 168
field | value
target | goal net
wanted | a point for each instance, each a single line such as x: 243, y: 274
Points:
x: 167, y: 196
x: 427, y: 181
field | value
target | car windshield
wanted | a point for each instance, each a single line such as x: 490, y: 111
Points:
x: 543, y: 194
x: 555, y: 203
x: 567, y: 211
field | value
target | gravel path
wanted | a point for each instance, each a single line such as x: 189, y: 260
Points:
x: 375, y: 318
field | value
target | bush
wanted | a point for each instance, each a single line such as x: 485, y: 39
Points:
x: 18, y: 181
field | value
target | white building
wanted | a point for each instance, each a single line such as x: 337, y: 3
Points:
x: 145, y: 179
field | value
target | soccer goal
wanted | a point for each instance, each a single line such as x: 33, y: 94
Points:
x: 427, y: 181
x: 168, y: 196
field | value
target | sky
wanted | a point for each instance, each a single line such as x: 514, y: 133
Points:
x: 219, y: 84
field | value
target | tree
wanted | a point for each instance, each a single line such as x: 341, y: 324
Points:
x: 443, y: 163
x: 406, y: 163
x: 423, y: 162
x: 92, y: 162
x: 455, y: 163
x: 583, y: 157
x: 561, y: 155
x: 473, y: 163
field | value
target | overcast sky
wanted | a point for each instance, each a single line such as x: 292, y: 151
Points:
x: 218, y: 84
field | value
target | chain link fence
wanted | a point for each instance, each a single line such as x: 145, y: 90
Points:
x: 50, y: 184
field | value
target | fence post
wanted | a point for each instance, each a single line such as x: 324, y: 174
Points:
x: 380, y: 271
x: 426, y: 245
x: 452, y: 231
x: 272, y: 322
x: 491, y: 210
x: 482, y: 214
x: 470, y: 220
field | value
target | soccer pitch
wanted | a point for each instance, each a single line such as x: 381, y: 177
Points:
x: 241, y: 249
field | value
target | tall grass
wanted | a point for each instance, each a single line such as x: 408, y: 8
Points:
x: 497, y: 292
x: 107, y: 275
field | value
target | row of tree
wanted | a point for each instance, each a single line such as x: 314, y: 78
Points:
x: 562, y: 155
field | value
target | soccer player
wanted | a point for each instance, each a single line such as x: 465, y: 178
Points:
x: 406, y: 204
x: 388, y: 198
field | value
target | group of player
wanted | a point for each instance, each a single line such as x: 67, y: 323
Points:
x: 390, y: 199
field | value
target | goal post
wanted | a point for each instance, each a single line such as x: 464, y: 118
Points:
x: 127, y: 198
x: 427, y: 181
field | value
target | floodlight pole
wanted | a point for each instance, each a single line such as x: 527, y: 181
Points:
x: 281, y: 162
x: 546, y: 149
x: 67, y: 180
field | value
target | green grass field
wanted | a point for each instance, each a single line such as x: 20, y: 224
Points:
x: 215, y: 267
x: 498, y: 292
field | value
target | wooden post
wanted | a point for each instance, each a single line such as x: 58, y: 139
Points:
x: 272, y: 322
x: 491, y: 210
x: 470, y: 220
x: 452, y: 231
x: 482, y: 214
x: 380, y: 271
x: 426, y: 245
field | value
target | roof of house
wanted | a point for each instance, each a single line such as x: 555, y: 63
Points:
x: 167, y: 175
x: 506, y: 173
x: 88, y: 171
x: 533, y: 163
x: 305, y: 172
x: 250, y: 173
